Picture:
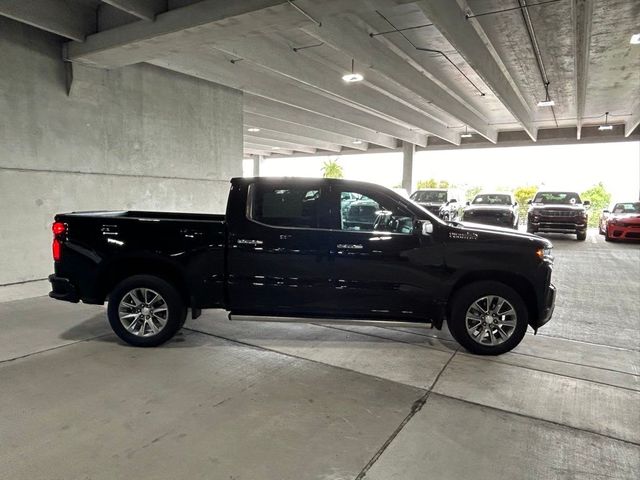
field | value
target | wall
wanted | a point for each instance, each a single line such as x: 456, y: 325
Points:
x: 135, y: 138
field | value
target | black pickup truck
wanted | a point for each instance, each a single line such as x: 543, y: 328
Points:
x: 284, y: 252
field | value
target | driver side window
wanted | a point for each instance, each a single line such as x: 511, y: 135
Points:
x: 371, y: 213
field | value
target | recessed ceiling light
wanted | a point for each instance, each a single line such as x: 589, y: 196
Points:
x: 466, y: 135
x: 635, y: 39
x: 546, y: 103
x: 253, y: 129
x: 352, y: 77
x: 357, y: 142
x: 605, y: 127
x: 275, y: 148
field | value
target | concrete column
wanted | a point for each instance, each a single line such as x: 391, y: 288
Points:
x: 257, y: 159
x: 408, y: 149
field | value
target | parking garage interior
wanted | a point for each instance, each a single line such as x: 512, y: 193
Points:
x: 154, y: 104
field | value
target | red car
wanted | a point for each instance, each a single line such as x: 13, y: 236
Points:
x: 622, y: 223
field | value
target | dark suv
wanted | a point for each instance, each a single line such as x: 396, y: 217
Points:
x: 559, y: 212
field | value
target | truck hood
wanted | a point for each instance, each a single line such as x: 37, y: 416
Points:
x: 569, y: 208
x: 487, y: 208
x: 477, y: 231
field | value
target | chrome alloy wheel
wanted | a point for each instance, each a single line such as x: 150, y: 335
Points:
x: 143, y: 312
x: 491, y: 320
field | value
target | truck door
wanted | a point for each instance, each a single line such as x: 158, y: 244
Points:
x: 278, y: 250
x: 379, y: 266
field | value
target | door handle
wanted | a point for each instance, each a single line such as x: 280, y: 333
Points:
x: 349, y: 246
x: 247, y: 241
x: 188, y: 233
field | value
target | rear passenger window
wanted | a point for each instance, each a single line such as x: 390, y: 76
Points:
x: 286, y: 207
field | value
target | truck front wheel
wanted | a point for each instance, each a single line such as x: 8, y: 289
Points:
x: 145, y: 311
x: 488, y: 318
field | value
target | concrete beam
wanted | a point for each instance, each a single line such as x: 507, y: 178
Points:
x: 278, y: 57
x: 67, y: 19
x: 264, y: 150
x: 582, y: 18
x: 143, y: 9
x: 633, y: 121
x: 344, y: 35
x: 468, y: 38
x: 294, y: 139
x: 182, y: 29
x: 243, y: 76
x: 297, y: 116
x: 303, y: 131
x: 250, y: 139
x: 253, y: 151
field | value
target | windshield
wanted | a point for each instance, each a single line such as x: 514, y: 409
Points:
x: 430, y: 196
x: 627, y: 208
x: 492, y: 199
x: 557, y: 198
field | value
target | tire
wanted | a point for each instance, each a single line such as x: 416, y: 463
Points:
x: 607, y: 237
x: 166, y: 312
x: 530, y: 229
x: 600, y: 230
x: 463, y: 302
x: 581, y: 236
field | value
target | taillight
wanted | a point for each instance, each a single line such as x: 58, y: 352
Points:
x: 58, y: 228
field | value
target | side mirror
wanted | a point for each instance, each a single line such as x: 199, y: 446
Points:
x: 586, y: 203
x: 606, y: 211
x: 426, y: 227
x: 529, y: 202
x: 452, y: 201
x: 515, y: 204
x: 468, y: 203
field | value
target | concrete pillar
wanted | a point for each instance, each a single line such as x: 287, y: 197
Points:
x: 408, y: 149
x: 257, y: 159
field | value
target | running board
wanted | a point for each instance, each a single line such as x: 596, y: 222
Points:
x: 330, y: 321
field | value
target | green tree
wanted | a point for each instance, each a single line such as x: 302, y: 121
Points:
x: 332, y: 169
x: 522, y: 196
x: 444, y: 184
x: 472, y: 192
x: 599, y: 198
x: 429, y: 183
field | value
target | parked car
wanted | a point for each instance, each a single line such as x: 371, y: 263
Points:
x: 439, y: 201
x: 559, y: 212
x: 284, y: 252
x: 622, y: 222
x: 499, y: 209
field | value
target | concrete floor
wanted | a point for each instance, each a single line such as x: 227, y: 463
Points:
x: 232, y: 400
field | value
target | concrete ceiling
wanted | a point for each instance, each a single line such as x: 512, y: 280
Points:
x: 478, y: 66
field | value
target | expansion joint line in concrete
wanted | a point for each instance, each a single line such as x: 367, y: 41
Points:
x: 57, y: 347
x: 416, y: 407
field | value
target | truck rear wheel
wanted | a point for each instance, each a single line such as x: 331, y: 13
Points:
x: 488, y: 318
x: 145, y: 311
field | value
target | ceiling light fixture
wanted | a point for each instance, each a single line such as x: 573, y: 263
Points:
x: 353, y: 76
x: 357, y: 142
x: 275, y: 148
x: 606, y: 125
x: 635, y: 39
x: 253, y: 129
x: 547, y: 102
x: 466, y: 133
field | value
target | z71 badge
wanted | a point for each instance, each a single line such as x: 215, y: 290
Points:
x: 463, y: 235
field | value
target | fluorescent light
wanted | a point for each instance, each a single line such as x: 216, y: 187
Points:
x: 546, y: 103
x: 253, y: 129
x: 275, y: 148
x: 635, y: 39
x: 466, y: 135
x: 605, y: 127
x: 357, y: 142
x: 352, y: 77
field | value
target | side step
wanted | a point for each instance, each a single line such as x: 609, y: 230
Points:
x: 330, y: 321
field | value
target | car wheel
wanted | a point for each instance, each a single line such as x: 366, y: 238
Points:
x: 145, y: 311
x: 530, y: 229
x: 600, y: 230
x: 488, y: 318
x: 607, y: 237
x: 581, y: 236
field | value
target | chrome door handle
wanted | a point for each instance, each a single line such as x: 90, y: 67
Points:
x: 246, y: 241
x: 349, y: 246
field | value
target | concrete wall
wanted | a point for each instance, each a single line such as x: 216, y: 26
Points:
x: 136, y: 138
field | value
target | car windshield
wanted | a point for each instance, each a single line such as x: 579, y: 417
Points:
x: 492, y: 199
x: 627, y: 207
x: 430, y: 196
x: 557, y: 198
